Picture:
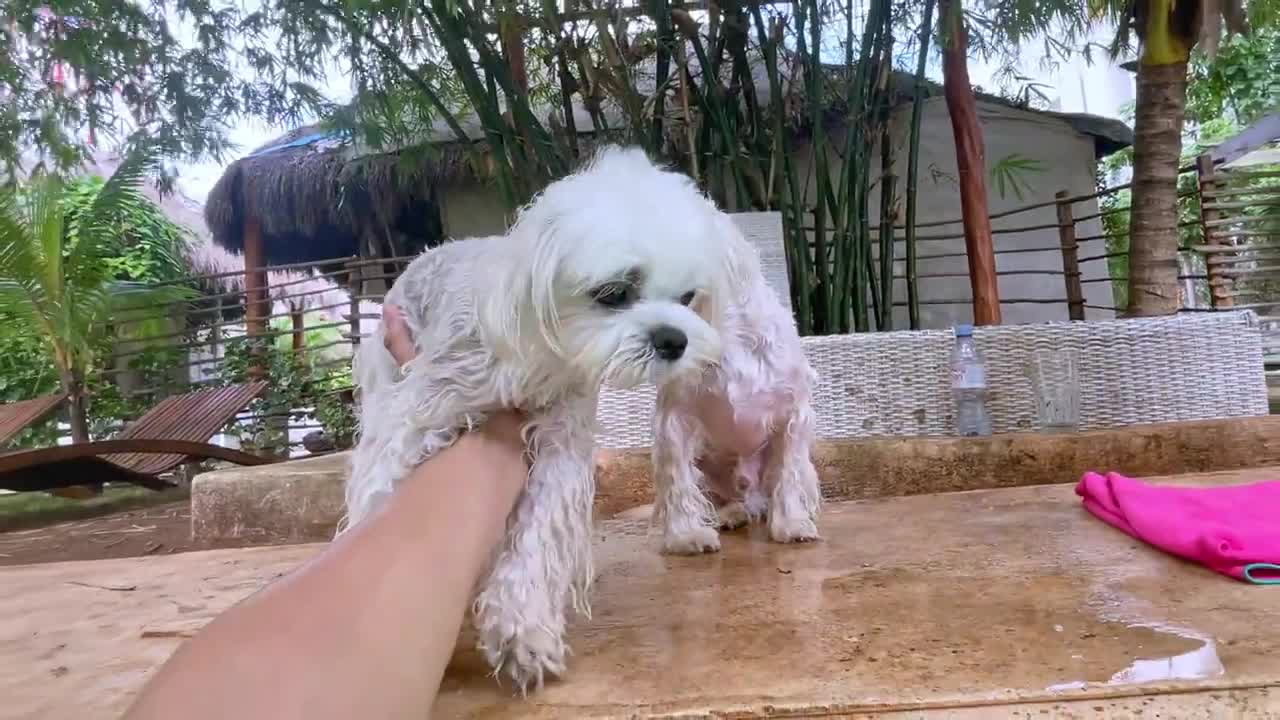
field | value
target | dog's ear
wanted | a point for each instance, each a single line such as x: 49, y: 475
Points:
x: 520, y: 308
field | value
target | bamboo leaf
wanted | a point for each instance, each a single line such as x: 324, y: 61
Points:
x: 1010, y: 174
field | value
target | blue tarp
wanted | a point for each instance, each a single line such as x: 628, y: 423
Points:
x: 300, y: 142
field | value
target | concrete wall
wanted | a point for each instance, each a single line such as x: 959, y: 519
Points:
x: 472, y: 210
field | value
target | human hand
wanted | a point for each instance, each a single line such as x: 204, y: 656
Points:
x: 395, y: 334
x: 501, y: 433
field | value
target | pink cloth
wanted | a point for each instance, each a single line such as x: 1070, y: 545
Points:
x: 1224, y: 528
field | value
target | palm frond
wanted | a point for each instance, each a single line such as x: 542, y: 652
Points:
x: 45, y: 224
x: 17, y: 261
x: 23, y: 268
x: 89, y: 276
x: 118, y: 194
x: 15, y: 302
x: 123, y: 184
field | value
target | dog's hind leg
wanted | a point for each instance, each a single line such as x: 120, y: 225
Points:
x: 792, y: 481
x: 545, y: 565
x: 687, y: 517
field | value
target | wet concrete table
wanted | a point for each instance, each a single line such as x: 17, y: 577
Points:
x: 985, y: 604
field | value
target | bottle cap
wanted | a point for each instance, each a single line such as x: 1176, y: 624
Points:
x: 964, y: 331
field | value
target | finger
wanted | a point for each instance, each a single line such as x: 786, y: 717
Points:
x: 395, y: 335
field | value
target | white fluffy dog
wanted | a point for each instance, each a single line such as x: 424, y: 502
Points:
x: 742, y: 431
x: 613, y: 274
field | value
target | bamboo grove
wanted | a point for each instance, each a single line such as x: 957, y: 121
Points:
x: 727, y: 91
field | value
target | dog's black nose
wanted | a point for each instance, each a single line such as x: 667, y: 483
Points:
x: 668, y: 342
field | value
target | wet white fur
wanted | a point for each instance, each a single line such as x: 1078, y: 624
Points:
x: 509, y: 321
x: 742, y: 431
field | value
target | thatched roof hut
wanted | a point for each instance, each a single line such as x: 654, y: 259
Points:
x: 314, y: 196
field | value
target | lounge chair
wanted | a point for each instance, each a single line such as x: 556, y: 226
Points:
x: 174, y: 432
x: 18, y: 416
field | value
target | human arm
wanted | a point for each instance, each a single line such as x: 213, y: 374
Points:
x: 367, y: 627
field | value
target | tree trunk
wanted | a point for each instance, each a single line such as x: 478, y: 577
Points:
x: 78, y: 417
x: 971, y: 166
x: 1153, y: 220
x: 77, y: 414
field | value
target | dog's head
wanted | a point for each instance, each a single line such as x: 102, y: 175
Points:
x: 617, y: 273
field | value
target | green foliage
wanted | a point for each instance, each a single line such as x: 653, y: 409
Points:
x: 312, y: 336
x: 82, y: 72
x: 302, y: 387
x: 146, y: 246
x: 1235, y: 88
x: 71, y: 256
x: 26, y: 371
x: 184, y: 68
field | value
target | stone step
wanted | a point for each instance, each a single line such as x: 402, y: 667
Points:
x: 302, y: 500
x: 987, y: 604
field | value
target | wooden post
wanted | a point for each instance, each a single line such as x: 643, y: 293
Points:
x: 1070, y: 257
x: 355, y: 285
x: 299, y: 330
x: 215, y: 329
x: 1219, y: 286
x: 256, y: 308
x: 970, y: 166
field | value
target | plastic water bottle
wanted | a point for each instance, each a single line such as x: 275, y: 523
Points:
x: 969, y: 385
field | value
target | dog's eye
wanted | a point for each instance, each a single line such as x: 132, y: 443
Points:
x: 613, y: 296
x: 687, y: 298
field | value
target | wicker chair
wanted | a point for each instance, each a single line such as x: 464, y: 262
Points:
x: 1185, y: 367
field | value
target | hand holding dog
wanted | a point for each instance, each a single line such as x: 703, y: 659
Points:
x: 368, y: 626
x: 503, y: 427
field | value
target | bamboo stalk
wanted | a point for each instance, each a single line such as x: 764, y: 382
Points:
x: 661, y: 14
x: 499, y: 69
x: 496, y: 130
x: 808, y: 12
x: 568, y: 85
x: 888, y: 183
x: 913, y: 163
x: 796, y: 244
x: 886, y: 250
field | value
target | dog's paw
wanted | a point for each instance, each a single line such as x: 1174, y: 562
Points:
x: 526, y: 658
x: 733, y: 516
x: 792, y: 529
x: 528, y: 666
x: 523, y: 642
x: 694, y: 541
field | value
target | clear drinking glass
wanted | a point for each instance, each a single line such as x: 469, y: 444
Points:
x: 1055, y: 375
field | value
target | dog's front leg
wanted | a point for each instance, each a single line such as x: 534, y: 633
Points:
x: 687, y: 517
x: 545, y: 564
x: 795, y: 494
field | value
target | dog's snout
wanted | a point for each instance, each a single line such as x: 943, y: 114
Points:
x: 668, y: 342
